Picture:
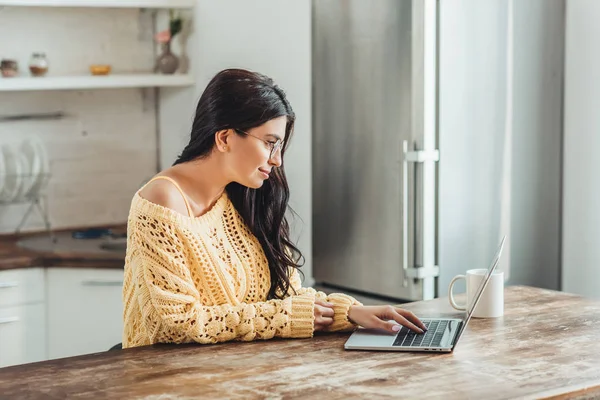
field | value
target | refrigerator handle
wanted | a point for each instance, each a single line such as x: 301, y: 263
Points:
x: 414, y: 156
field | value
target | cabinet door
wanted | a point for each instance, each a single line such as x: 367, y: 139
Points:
x: 85, y: 310
x: 21, y: 286
x: 22, y: 334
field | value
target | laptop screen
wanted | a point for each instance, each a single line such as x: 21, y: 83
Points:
x: 481, y: 288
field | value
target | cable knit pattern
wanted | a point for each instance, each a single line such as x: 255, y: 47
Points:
x: 206, y: 279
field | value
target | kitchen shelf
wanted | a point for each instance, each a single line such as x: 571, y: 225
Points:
x: 93, y: 82
x: 101, y: 3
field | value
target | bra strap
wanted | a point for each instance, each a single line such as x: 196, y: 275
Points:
x: 187, y: 204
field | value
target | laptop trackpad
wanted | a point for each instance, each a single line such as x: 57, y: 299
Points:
x: 365, y: 338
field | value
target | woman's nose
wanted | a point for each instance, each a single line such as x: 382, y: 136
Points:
x: 275, y: 160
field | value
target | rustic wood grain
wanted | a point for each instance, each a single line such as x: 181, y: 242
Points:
x: 547, y: 345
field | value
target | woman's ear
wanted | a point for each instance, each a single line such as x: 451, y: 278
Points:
x: 222, y: 139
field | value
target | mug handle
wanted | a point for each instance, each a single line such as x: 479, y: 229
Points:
x: 451, y: 296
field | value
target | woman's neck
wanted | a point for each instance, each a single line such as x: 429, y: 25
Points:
x: 203, y: 181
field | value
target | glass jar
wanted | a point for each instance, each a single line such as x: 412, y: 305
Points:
x: 38, y: 64
x: 9, y: 68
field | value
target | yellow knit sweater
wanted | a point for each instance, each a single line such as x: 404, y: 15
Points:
x: 206, y: 279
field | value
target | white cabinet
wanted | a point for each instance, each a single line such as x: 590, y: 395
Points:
x: 58, y: 312
x: 22, y: 316
x: 84, y: 310
x: 21, y: 286
x: 22, y: 334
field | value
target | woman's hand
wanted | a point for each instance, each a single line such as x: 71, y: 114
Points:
x: 378, y: 316
x: 323, y: 314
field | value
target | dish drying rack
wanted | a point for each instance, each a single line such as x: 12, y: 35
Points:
x: 34, y: 194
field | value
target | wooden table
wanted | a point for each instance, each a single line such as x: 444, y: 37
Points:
x: 546, y: 345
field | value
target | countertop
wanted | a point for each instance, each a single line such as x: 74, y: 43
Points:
x: 67, y: 252
x: 547, y: 345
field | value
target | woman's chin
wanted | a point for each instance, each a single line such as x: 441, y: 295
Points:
x: 254, y: 183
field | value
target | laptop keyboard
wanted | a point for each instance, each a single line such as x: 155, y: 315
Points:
x: 431, y: 338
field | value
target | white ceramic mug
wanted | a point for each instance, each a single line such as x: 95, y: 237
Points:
x: 491, y: 303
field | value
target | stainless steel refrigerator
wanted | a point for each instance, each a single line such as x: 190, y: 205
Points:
x: 417, y: 168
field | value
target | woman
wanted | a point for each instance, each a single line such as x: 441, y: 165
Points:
x: 209, y: 258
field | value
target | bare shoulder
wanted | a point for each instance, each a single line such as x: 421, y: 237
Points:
x: 164, y: 193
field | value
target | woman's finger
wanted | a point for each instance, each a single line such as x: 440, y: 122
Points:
x: 323, y: 303
x: 324, y: 311
x: 411, y: 317
x: 383, y: 325
x: 391, y: 326
x: 404, y: 322
x: 324, y: 321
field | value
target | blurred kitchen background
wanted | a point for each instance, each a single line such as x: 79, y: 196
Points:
x: 425, y: 131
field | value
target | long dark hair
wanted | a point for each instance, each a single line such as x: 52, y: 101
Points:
x: 240, y: 99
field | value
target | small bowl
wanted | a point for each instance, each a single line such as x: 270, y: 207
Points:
x: 100, y: 69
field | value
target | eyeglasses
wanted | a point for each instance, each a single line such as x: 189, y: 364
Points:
x: 273, y: 146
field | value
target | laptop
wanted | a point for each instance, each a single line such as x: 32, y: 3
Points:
x: 442, y: 333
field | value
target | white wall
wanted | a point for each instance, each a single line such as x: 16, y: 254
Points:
x: 472, y: 107
x: 268, y: 36
x: 500, y: 137
x: 538, y: 59
x: 106, y: 145
x: 581, y: 195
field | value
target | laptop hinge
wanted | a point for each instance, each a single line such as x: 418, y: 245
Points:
x: 422, y: 272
